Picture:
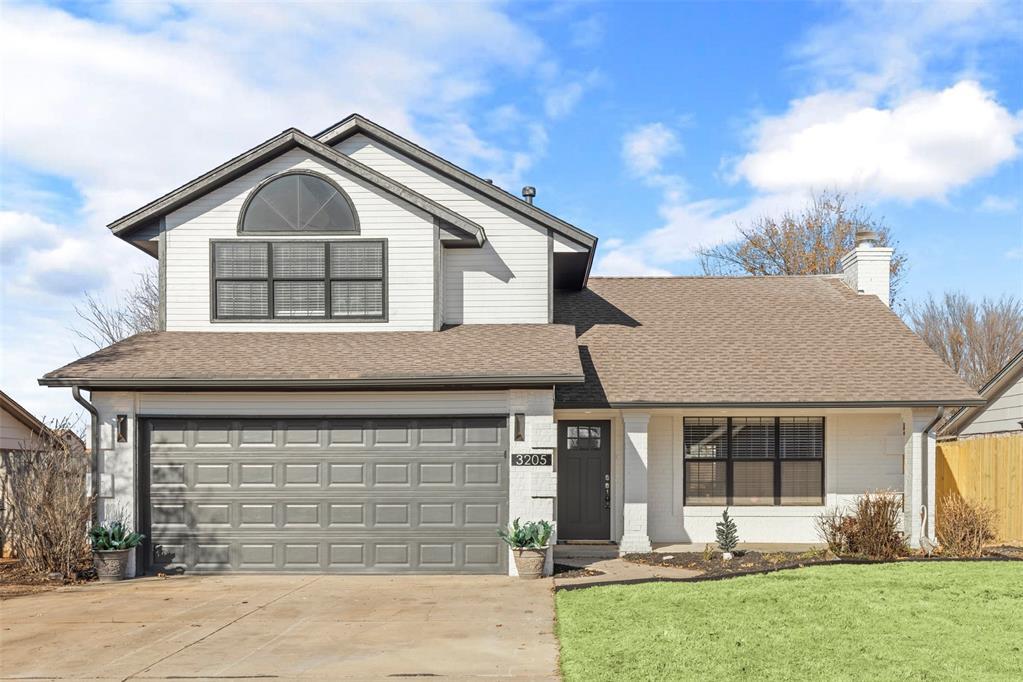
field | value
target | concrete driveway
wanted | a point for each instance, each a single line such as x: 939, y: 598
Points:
x: 283, y: 627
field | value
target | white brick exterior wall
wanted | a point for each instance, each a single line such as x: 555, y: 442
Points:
x: 865, y: 450
x: 867, y: 269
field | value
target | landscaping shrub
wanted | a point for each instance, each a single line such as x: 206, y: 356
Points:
x: 47, y: 508
x: 964, y: 527
x: 870, y: 529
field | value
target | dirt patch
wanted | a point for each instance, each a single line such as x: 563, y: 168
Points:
x: 15, y: 581
x: 566, y: 571
x: 711, y: 563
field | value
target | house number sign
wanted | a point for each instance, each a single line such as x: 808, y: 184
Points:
x: 533, y: 459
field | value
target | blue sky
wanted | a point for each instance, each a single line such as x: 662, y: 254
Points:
x: 657, y: 126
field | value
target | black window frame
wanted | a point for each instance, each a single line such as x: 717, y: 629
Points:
x: 356, y: 229
x: 328, y: 279
x: 729, y: 460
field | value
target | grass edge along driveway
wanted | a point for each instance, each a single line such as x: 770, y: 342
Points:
x: 870, y: 622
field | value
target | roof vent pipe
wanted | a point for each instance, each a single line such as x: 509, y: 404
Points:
x: 866, y: 238
x: 528, y: 193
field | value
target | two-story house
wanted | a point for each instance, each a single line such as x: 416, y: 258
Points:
x: 371, y: 359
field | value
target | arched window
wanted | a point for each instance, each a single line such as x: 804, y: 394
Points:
x: 298, y: 202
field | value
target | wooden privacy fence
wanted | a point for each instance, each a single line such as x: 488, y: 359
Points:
x: 988, y: 470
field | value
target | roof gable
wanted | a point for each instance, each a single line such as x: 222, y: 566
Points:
x: 991, y: 391
x: 356, y: 124
x: 289, y: 139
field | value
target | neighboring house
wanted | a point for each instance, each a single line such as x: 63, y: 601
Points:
x: 372, y: 359
x: 20, y: 430
x: 1003, y: 412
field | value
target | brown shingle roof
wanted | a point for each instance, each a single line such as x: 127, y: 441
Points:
x: 512, y: 354
x: 745, y: 340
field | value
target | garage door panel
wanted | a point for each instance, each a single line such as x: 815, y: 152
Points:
x: 352, y: 555
x: 338, y: 495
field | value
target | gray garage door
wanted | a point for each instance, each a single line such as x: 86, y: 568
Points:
x: 328, y: 495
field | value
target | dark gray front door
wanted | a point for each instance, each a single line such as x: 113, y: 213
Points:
x: 328, y: 495
x: 584, y: 480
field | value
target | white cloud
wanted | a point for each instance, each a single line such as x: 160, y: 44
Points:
x: 998, y: 204
x: 589, y: 32
x: 646, y: 147
x: 1014, y: 254
x: 924, y: 146
x: 131, y: 101
x: 130, y: 105
x: 563, y: 97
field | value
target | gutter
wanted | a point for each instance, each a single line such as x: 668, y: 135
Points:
x: 926, y: 480
x: 647, y: 405
x: 94, y: 454
x: 323, y: 384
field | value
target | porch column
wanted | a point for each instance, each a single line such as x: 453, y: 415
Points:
x: 634, y: 537
x: 918, y: 483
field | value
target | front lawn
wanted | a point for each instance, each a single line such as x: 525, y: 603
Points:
x: 919, y: 620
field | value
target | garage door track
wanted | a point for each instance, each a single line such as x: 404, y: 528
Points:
x: 284, y: 627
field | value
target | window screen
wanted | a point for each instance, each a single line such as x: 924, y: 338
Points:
x: 298, y: 202
x: 753, y: 460
x: 299, y: 280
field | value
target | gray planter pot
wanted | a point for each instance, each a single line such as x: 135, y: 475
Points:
x: 111, y: 565
x: 530, y: 562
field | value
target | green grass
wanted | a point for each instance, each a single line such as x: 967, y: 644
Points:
x: 918, y: 621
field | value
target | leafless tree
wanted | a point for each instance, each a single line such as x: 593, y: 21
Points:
x: 811, y: 242
x: 46, y: 505
x: 974, y: 339
x: 136, y: 310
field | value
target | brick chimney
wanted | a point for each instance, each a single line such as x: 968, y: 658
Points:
x: 867, y: 268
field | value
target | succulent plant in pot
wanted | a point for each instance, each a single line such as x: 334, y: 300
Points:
x: 528, y: 542
x: 111, y: 544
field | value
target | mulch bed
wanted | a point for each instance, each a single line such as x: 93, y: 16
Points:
x: 566, y: 571
x: 711, y: 564
x: 744, y: 562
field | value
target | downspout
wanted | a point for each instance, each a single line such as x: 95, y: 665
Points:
x: 94, y: 455
x: 927, y: 473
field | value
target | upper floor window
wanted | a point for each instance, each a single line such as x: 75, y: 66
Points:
x: 298, y: 202
x: 299, y: 280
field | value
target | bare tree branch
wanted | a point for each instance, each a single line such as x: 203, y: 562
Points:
x: 974, y: 339
x: 137, y: 310
x: 811, y: 242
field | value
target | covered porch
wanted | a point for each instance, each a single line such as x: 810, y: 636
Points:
x: 671, y: 472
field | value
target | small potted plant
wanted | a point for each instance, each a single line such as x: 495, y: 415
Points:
x: 111, y: 543
x: 727, y: 536
x: 528, y: 542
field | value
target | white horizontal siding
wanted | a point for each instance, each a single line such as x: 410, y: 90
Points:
x: 1002, y: 414
x: 506, y: 280
x: 409, y: 232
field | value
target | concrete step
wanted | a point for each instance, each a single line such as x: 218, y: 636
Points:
x: 595, y: 551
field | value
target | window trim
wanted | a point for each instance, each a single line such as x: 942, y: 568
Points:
x: 327, y: 280
x: 357, y: 229
x: 777, y: 459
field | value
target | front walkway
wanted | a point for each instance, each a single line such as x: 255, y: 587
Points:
x: 284, y: 627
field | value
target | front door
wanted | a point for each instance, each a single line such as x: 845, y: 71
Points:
x: 584, y: 480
